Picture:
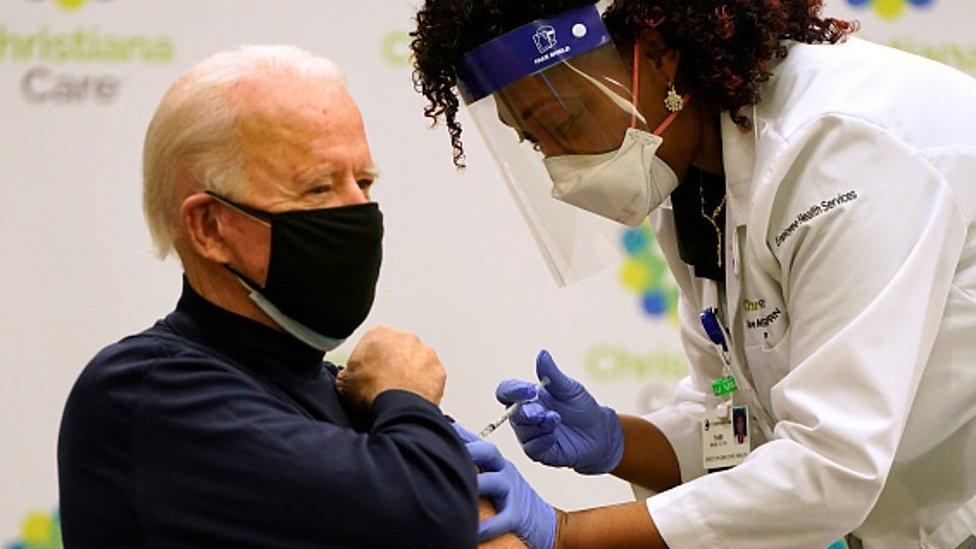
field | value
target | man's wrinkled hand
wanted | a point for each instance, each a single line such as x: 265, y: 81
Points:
x: 386, y: 359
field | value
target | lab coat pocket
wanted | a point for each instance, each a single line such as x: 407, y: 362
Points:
x: 958, y: 532
x: 767, y: 366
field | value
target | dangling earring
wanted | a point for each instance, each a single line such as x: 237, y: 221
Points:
x: 673, y: 102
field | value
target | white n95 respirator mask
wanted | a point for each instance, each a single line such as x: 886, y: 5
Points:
x: 623, y: 185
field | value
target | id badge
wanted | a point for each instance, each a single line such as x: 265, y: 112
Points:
x: 725, y: 438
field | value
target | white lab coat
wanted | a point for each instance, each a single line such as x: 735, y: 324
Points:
x: 850, y: 230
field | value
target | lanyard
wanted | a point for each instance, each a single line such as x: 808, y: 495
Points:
x: 726, y: 385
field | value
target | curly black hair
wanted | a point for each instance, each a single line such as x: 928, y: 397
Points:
x: 726, y: 46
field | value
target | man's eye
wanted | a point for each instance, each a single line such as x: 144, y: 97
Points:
x: 365, y: 184
x: 321, y: 189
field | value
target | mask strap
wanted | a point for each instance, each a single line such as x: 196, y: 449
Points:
x: 249, y: 284
x: 260, y: 216
x: 635, y: 92
x: 667, y: 121
x: 297, y: 330
x: 620, y: 102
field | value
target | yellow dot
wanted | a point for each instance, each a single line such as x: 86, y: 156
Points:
x: 36, y: 528
x: 70, y: 4
x: 635, y: 275
x: 889, y: 9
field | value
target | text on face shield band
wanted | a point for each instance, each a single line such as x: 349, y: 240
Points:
x: 529, y: 49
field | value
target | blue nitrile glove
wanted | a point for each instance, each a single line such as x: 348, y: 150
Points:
x: 520, y: 509
x: 564, y: 426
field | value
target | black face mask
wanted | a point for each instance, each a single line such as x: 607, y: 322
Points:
x: 322, y: 272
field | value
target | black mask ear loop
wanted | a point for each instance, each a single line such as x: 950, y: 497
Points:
x: 260, y: 216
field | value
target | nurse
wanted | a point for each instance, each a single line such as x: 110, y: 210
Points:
x: 815, y: 197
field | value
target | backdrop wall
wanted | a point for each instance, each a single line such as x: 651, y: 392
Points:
x: 79, y: 80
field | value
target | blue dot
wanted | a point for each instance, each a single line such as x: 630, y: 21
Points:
x: 655, y: 303
x: 635, y: 241
x: 921, y: 2
x: 858, y: 2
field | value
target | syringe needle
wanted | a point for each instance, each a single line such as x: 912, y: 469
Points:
x: 500, y: 421
x: 491, y: 427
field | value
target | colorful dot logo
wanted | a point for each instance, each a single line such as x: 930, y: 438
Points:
x: 68, y: 5
x: 890, y: 9
x: 39, y: 530
x: 646, y: 273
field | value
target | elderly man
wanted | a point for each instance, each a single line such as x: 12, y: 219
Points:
x: 220, y: 426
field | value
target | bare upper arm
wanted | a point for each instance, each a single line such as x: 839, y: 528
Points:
x: 508, y: 541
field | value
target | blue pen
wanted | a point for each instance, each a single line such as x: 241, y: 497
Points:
x: 727, y: 385
x: 713, y: 328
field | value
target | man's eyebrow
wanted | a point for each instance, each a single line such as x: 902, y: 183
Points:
x: 372, y: 172
x: 316, y: 178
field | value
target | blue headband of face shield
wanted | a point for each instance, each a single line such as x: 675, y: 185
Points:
x: 529, y: 49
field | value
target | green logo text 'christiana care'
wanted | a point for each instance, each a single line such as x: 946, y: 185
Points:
x: 83, y: 45
x: 958, y: 55
x: 613, y: 364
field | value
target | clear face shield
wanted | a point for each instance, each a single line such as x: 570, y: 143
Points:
x: 555, y: 102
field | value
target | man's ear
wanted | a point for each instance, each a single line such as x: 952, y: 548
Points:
x: 201, y: 218
x: 664, y: 59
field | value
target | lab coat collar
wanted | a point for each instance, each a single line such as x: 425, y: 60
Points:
x: 739, y: 158
x: 741, y: 149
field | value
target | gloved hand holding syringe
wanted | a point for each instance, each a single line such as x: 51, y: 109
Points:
x: 491, y: 427
x: 559, y: 423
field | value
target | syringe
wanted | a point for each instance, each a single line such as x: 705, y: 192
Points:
x: 508, y: 413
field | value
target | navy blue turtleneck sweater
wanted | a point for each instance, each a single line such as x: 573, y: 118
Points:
x: 212, y: 430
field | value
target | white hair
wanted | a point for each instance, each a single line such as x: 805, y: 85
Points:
x: 193, y: 133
